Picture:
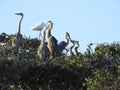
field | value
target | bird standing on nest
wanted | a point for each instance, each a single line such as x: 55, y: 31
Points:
x: 52, y: 41
x: 62, y: 45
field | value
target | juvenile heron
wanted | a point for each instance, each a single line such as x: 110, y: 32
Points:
x: 89, y: 49
x: 72, y: 46
x: 42, y: 49
x: 63, y: 44
x: 52, y: 41
x: 71, y: 52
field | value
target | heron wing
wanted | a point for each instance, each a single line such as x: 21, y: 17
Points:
x: 53, y: 39
x: 62, y: 45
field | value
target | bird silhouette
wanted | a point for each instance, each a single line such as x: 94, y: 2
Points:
x: 17, y: 39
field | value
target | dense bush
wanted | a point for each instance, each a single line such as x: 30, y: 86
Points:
x: 98, y: 71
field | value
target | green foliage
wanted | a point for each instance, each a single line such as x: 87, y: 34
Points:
x: 98, y: 71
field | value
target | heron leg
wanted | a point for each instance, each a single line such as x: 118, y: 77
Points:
x: 40, y: 35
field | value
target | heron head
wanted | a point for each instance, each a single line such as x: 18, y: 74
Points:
x: 4, y: 34
x: 49, y: 24
x: 91, y: 44
x: 67, y: 34
x: 21, y: 14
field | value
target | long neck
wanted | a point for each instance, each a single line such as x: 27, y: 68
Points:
x: 72, y: 47
x: 49, y: 30
x: 19, y: 26
x: 76, y: 48
x: 67, y: 40
x: 43, y: 37
x: 89, y: 47
x: 76, y: 51
x: 71, y: 53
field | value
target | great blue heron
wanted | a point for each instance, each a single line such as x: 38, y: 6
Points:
x: 76, y: 48
x: 63, y: 44
x: 52, y: 41
x: 3, y: 37
x: 17, y: 39
x: 42, y: 49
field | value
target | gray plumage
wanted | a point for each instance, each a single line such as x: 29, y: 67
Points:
x: 63, y: 44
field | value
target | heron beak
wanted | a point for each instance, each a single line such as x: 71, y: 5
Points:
x: 91, y: 44
x: 19, y: 14
x: 66, y: 32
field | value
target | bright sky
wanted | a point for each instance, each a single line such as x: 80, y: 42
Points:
x: 87, y: 21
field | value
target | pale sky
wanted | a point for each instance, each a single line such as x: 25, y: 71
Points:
x: 87, y: 21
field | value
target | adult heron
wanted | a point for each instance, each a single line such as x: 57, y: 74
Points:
x: 52, y: 41
x: 17, y: 39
